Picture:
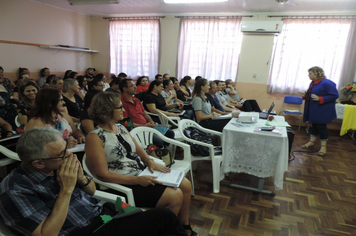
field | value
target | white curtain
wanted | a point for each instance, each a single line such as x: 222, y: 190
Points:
x: 304, y: 43
x: 134, y: 47
x: 349, y: 67
x: 209, y: 47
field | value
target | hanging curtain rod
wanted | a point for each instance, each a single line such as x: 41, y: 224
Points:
x: 213, y: 17
x: 316, y: 17
x: 134, y: 18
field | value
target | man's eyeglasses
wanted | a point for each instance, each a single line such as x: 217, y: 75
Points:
x: 62, y: 157
x: 132, y: 86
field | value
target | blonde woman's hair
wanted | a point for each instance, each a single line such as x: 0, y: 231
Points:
x: 102, y: 107
x: 319, y: 72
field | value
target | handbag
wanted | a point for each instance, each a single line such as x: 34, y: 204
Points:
x: 163, y: 153
x: 198, y: 135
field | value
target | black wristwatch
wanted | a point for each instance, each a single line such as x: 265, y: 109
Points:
x: 89, y: 180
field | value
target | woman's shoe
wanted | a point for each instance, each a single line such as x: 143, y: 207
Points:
x: 308, y: 145
x: 188, y: 227
x: 322, y: 150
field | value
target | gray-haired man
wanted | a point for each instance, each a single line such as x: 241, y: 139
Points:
x: 49, y: 194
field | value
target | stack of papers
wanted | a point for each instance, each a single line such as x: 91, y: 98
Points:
x: 171, y: 179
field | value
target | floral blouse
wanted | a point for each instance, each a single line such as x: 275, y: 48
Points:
x: 119, y: 159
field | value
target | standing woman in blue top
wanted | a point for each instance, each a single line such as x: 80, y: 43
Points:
x: 319, y: 107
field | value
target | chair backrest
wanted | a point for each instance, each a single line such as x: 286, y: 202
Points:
x: 17, y: 123
x: 185, y: 123
x: 165, y: 120
x: 293, y: 99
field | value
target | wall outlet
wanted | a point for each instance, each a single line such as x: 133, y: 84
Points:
x: 254, y: 75
x: 168, y: 71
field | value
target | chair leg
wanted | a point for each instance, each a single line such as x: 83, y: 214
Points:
x: 192, y: 182
x: 172, y: 149
x: 216, y: 175
x: 300, y: 122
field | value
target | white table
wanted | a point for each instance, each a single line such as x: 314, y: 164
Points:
x: 261, y: 154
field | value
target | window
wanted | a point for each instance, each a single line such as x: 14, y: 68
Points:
x: 209, y: 47
x: 305, y: 43
x: 134, y: 47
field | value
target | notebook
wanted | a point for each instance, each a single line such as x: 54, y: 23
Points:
x: 263, y: 115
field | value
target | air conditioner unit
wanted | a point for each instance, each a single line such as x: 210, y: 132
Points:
x: 261, y: 27
x: 88, y: 2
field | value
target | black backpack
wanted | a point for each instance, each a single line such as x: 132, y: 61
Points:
x: 196, y: 134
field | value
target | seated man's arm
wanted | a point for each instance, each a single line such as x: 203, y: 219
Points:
x: 67, y: 179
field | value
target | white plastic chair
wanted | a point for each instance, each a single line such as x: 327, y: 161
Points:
x: 144, y: 137
x: 103, y: 196
x: 17, y: 123
x: 168, y: 121
x: 117, y: 187
x: 11, y: 156
x: 216, y: 160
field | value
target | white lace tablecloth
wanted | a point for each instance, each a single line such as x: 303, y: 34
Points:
x: 261, y: 154
x: 340, y: 110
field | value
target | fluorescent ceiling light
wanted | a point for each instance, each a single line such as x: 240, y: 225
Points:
x: 88, y: 2
x: 193, y: 1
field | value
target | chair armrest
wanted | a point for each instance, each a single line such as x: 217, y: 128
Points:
x: 10, y: 154
x: 157, y: 161
x: 151, y: 114
x: 107, y: 197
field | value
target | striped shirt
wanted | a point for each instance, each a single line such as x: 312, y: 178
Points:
x: 27, y: 197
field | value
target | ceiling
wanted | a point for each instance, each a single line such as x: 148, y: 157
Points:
x: 233, y: 7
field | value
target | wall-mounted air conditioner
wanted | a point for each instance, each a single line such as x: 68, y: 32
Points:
x: 261, y: 27
x: 88, y: 2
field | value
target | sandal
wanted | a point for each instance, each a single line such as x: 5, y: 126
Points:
x: 188, y: 227
x: 308, y: 145
x: 322, y: 150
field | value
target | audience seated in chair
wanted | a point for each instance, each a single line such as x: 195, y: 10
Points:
x: 135, y: 111
x: 49, y: 111
x: 73, y: 101
x: 44, y: 73
x: 57, y: 83
x: 178, y: 89
x: 50, y: 194
x: 248, y: 105
x: 114, y: 156
x: 82, y: 82
x: 114, y: 86
x: 154, y: 101
x: 202, y: 107
x: 184, y: 85
x: 87, y: 124
x: 216, y: 105
x: 142, y: 84
x: 6, y: 129
x: 97, y: 83
x: 28, y: 94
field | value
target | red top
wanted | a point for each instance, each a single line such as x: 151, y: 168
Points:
x: 140, y: 88
x: 133, y: 110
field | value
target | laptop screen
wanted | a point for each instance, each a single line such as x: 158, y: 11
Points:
x: 271, y: 107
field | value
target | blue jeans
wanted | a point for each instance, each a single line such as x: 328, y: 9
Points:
x: 321, y: 130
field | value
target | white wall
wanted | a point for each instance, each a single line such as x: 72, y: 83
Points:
x: 169, y: 45
x: 30, y: 22
x: 100, y: 41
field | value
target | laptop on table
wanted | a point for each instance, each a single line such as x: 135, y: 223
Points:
x: 264, y: 115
